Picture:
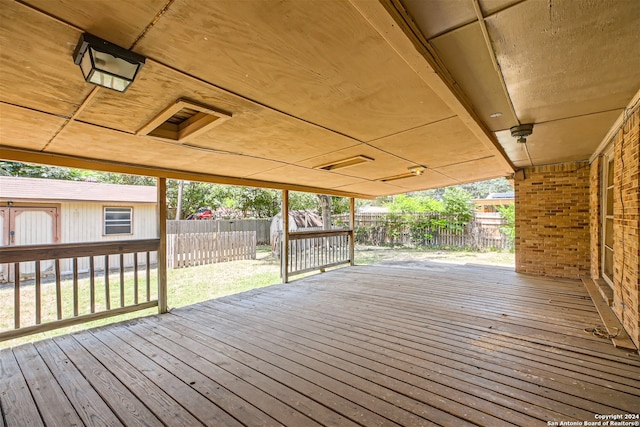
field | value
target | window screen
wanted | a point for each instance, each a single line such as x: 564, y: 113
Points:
x: 117, y: 220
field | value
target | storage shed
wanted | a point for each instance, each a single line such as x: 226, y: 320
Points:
x: 37, y: 211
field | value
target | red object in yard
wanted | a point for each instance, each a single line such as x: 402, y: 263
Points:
x: 202, y: 213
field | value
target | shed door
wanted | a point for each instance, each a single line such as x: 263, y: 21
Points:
x: 27, y: 226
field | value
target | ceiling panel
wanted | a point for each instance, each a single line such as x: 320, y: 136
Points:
x: 100, y: 143
x: 435, y: 17
x: 569, y: 139
x: 429, y: 179
x: 490, y: 7
x: 36, y: 64
x: 121, y: 21
x: 565, y: 59
x: 253, y: 129
x: 328, y: 73
x: 20, y: 127
x: 383, y: 164
x: 468, y: 60
x: 372, y: 187
x: 442, y: 143
x: 474, y: 170
x: 298, y: 175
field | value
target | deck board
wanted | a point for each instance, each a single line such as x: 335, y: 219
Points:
x: 418, y: 345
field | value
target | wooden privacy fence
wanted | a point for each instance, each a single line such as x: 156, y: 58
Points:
x: 191, y: 249
x: 317, y: 250
x: 46, y: 300
x: 431, y: 230
x: 260, y: 226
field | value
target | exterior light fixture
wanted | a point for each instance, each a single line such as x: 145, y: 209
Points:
x: 106, y: 64
x: 522, y: 132
x: 417, y: 170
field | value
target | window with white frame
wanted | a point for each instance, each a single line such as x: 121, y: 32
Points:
x: 118, y: 220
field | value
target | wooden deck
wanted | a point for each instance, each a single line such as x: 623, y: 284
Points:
x: 428, y: 344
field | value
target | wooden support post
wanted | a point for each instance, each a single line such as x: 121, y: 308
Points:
x: 352, y: 237
x: 162, y: 248
x: 284, y: 248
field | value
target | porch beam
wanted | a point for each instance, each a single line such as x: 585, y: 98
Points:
x: 162, y: 249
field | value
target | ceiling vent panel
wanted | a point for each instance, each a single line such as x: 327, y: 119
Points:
x: 397, y: 177
x: 351, y: 161
x: 183, y: 120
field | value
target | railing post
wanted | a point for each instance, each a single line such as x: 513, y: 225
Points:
x: 284, y: 249
x: 162, y: 248
x: 352, y: 235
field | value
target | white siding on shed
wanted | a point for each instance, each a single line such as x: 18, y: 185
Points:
x: 84, y: 222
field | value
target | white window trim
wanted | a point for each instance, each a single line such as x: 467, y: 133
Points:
x: 607, y: 156
x: 104, y: 220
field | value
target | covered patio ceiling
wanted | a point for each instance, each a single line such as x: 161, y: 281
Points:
x: 390, y: 84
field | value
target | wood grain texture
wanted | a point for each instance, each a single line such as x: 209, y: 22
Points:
x: 26, y: 128
x: 418, y: 343
x: 47, y: 394
x: 16, y: 401
x: 37, y: 62
x: 292, y: 66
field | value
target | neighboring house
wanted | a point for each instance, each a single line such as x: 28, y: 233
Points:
x: 492, y: 201
x: 36, y: 211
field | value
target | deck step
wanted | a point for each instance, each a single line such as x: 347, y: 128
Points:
x: 611, y: 322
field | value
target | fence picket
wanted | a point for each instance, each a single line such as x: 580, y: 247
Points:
x: 480, y: 233
x: 193, y: 249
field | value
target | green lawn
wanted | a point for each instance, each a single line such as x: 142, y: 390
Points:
x: 195, y: 284
x: 185, y: 286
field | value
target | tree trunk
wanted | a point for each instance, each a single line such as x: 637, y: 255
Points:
x: 179, y: 204
x: 325, y: 204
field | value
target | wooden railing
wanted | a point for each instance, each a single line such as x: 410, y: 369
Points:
x: 317, y: 250
x: 67, y: 284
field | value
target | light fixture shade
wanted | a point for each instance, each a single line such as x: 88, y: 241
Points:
x: 417, y: 170
x: 106, y: 64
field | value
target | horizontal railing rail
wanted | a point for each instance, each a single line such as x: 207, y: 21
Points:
x: 318, y: 250
x: 60, y: 285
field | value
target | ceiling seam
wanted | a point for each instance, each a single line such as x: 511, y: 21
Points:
x: 492, y: 54
x: 412, y: 129
x: 465, y: 23
x: 153, y: 22
x: 618, y: 109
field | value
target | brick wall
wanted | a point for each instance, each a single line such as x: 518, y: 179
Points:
x: 626, y: 225
x: 595, y: 218
x: 552, y: 220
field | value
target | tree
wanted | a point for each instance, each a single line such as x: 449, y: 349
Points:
x: 403, y: 203
x: 194, y: 196
x: 302, y: 201
x: 458, y: 206
x: 50, y: 172
x: 259, y: 202
x: 508, y: 213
